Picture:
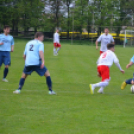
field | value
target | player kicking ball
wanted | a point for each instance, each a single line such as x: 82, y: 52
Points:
x: 131, y: 80
x: 6, y: 46
x: 57, y: 45
x: 34, y: 61
x: 104, y: 62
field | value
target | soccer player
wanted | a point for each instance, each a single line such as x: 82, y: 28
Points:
x: 6, y: 46
x: 57, y: 45
x: 131, y: 80
x: 105, y: 39
x: 104, y: 62
x: 34, y: 61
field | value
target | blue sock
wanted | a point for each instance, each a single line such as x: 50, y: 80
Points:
x: 49, y: 83
x: 5, y: 73
x: 129, y: 81
x: 22, y: 81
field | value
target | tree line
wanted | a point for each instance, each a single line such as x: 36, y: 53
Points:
x: 68, y: 15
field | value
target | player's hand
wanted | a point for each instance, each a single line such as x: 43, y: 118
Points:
x: 123, y: 71
x: 127, y: 66
x: 97, y: 47
x: 12, y: 50
x: 1, y: 43
x: 132, y: 82
x: 98, y: 75
x: 42, y: 65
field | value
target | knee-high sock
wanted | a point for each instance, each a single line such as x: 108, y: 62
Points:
x: 5, y: 73
x: 101, y: 89
x: 58, y: 49
x: 54, y: 50
x: 129, y: 81
x: 21, y: 83
x: 101, y: 84
x: 49, y: 83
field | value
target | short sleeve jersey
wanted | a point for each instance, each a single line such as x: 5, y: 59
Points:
x: 7, y: 41
x: 107, y: 58
x: 56, y: 38
x: 32, y: 52
x: 105, y: 39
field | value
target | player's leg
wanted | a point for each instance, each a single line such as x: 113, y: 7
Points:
x: 6, y: 60
x: 124, y: 84
x: 54, y: 49
x: 27, y: 71
x: 59, y: 47
x: 103, y: 71
x: 45, y: 72
x: 21, y: 83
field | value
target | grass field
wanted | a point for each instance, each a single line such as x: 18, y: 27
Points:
x: 73, y: 110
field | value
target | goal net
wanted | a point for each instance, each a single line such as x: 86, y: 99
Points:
x: 129, y: 38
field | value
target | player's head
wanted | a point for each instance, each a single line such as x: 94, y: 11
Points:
x: 106, y: 30
x: 110, y: 47
x: 6, y: 29
x: 39, y: 36
x: 57, y: 30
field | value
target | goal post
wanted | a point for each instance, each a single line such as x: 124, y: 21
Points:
x: 129, y: 38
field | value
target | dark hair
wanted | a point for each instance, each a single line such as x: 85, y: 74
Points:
x: 109, y: 46
x: 6, y: 26
x: 38, y: 34
x: 106, y: 28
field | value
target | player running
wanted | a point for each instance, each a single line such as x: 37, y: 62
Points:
x: 131, y: 80
x: 57, y: 45
x: 6, y: 46
x: 104, y: 62
x: 34, y: 61
x: 105, y: 39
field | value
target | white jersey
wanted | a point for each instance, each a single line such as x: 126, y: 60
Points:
x: 105, y: 39
x: 107, y: 58
x: 56, y: 38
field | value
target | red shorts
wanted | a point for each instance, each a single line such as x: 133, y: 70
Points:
x: 103, y: 72
x: 57, y: 45
x: 101, y: 52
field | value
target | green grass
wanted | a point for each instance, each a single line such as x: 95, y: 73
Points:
x: 73, y: 110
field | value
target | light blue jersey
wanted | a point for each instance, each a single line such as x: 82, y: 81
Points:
x: 8, y: 42
x: 32, y: 52
x: 132, y: 59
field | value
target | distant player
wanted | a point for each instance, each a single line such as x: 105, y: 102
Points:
x: 105, y: 39
x: 6, y: 46
x: 131, y: 80
x: 34, y: 61
x: 57, y: 45
x: 105, y: 61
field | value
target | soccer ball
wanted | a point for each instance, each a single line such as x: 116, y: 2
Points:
x: 132, y: 88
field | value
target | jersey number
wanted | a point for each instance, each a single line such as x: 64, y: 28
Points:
x: 104, y: 55
x: 31, y: 48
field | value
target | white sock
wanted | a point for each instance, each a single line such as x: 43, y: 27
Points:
x: 101, y: 84
x: 101, y: 89
x: 54, y: 50
x: 58, y: 49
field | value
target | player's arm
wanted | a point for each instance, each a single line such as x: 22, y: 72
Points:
x: 97, y: 41
x: 24, y: 56
x: 12, y: 48
x: 113, y: 41
x: 97, y: 44
x: 41, y: 53
x: 116, y: 61
x: 130, y: 63
x: 12, y: 45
